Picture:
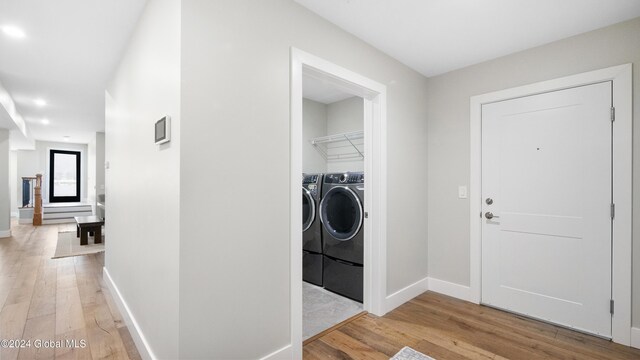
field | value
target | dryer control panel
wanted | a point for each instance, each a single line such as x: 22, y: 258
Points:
x: 310, y: 179
x: 344, y: 178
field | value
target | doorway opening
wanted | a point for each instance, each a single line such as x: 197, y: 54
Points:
x: 372, y: 147
x: 64, y: 176
x: 333, y: 189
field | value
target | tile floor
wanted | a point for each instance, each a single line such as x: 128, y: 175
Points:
x: 322, y: 309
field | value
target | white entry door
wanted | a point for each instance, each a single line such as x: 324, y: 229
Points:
x: 547, y: 217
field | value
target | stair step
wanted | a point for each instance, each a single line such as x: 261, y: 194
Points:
x: 58, y: 221
x: 64, y: 209
x: 64, y: 215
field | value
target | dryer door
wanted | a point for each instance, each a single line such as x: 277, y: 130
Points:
x: 341, y: 213
x: 308, y: 209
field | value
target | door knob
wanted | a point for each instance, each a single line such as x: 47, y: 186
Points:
x: 489, y: 215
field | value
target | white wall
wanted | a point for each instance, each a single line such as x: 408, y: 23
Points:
x: 5, y: 198
x: 234, y: 248
x: 95, y: 160
x: 32, y: 162
x: 13, y: 183
x: 91, y: 172
x: 448, y: 104
x: 100, y: 148
x: 314, y: 124
x: 43, y: 149
x: 346, y: 116
x: 143, y: 179
x: 27, y: 165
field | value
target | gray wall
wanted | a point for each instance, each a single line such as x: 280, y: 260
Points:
x: 329, y: 119
x: 345, y: 116
x: 143, y: 180
x: 448, y: 133
x: 314, y: 124
x: 5, y: 197
x: 234, y: 219
x: 13, y: 183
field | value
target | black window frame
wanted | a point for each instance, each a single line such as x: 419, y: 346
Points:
x: 62, y: 199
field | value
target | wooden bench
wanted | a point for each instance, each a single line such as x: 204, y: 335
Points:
x: 89, y: 224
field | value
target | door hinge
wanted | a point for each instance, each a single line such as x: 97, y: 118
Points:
x: 613, y: 114
x: 613, y: 211
x: 611, y: 305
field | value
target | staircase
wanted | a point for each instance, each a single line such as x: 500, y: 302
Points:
x: 64, y: 212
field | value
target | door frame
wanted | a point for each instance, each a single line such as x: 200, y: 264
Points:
x: 375, y: 167
x: 621, y: 77
x: 51, y: 164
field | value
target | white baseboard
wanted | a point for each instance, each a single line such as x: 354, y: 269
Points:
x: 447, y: 288
x: 136, y: 333
x: 5, y: 233
x: 25, y: 221
x: 635, y: 337
x: 403, y: 295
x: 14, y: 214
x: 281, y: 354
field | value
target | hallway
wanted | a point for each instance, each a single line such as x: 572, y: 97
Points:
x: 53, y: 301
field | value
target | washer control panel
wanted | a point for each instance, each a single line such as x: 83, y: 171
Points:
x: 344, y: 178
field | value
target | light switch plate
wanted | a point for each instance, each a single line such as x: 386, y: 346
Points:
x: 462, y: 192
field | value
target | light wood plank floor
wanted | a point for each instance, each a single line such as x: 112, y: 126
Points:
x: 446, y: 328
x: 52, y: 300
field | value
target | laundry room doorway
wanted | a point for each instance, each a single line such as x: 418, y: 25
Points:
x: 335, y: 159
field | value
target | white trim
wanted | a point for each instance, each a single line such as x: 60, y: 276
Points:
x: 280, y: 354
x: 136, y: 333
x: 450, y: 289
x: 14, y: 214
x: 375, y: 165
x: 5, y: 233
x: 635, y: 337
x: 403, y: 295
x: 621, y: 76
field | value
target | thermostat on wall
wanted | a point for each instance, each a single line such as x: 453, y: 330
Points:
x: 163, y: 130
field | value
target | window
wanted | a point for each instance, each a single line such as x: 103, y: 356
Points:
x: 64, y: 176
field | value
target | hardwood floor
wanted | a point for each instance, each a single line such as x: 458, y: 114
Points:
x: 66, y: 299
x: 446, y: 328
x: 50, y: 301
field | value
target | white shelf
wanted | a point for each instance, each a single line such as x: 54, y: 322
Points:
x: 345, y: 146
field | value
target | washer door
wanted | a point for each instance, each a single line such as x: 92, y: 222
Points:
x: 341, y: 213
x: 308, y: 209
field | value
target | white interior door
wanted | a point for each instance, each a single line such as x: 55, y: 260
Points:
x: 546, y: 166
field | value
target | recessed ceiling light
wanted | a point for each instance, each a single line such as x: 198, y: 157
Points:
x: 14, y: 32
x: 66, y: 138
x: 44, y: 121
x: 40, y: 102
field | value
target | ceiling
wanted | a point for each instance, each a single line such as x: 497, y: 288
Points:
x: 438, y: 36
x: 69, y: 52
x: 72, y: 47
x: 322, y: 91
